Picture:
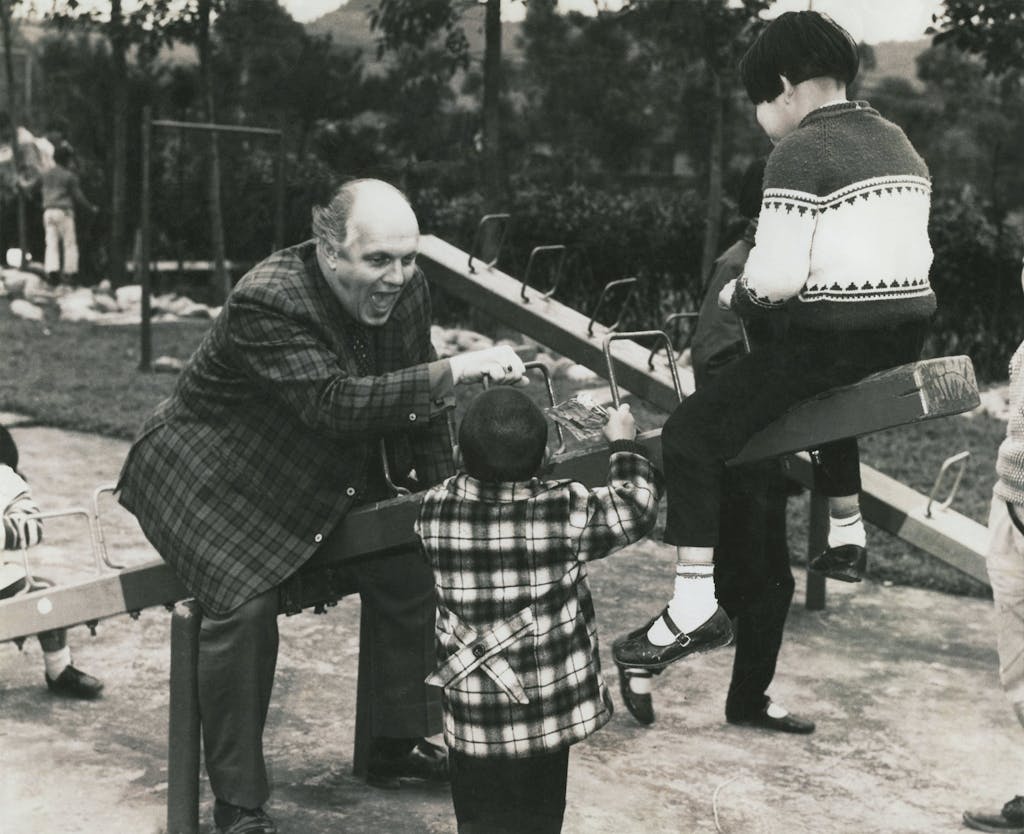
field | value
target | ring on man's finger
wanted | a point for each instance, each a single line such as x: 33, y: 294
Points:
x: 508, y: 369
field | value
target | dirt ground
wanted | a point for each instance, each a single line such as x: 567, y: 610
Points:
x: 912, y: 725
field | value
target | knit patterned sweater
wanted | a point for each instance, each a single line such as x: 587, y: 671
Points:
x: 842, y: 241
x: 1010, y: 462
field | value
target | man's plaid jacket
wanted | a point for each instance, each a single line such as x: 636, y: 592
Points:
x: 269, y: 436
x: 516, y: 632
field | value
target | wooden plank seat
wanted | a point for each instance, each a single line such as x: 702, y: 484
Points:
x: 895, y: 397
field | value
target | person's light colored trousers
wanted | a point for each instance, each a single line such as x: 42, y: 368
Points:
x: 60, y: 230
x: 1005, y: 562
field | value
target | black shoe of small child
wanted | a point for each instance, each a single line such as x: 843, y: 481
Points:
x: 846, y: 563
x: 425, y: 762
x: 74, y: 684
x: 639, y: 704
x: 1009, y: 821
x: 635, y: 650
x: 788, y: 723
x: 230, y: 819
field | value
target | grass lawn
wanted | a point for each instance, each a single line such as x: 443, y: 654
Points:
x: 85, y: 377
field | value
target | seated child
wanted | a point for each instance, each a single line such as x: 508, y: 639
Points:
x: 842, y: 247
x: 516, y: 633
x: 20, y: 531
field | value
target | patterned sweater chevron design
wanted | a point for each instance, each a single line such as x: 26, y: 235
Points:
x: 842, y: 240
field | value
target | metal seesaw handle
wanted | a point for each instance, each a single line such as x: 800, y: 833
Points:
x: 961, y: 459
x: 499, y: 220
x: 396, y: 490
x: 622, y: 310
x: 556, y: 249
x: 613, y: 384
x: 668, y: 321
x: 101, y: 541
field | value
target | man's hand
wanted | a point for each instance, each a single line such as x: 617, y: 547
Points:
x: 620, y: 425
x: 725, y: 296
x: 501, y: 365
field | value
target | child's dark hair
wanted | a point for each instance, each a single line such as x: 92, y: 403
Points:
x: 503, y: 436
x: 8, y: 449
x: 798, y: 45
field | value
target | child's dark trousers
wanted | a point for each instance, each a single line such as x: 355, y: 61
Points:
x: 712, y: 425
x: 509, y: 796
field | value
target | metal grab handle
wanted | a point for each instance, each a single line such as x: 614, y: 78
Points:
x: 613, y: 384
x: 597, y: 307
x: 665, y: 326
x: 101, y: 541
x: 961, y: 459
x: 396, y: 490
x: 31, y: 583
x: 488, y: 219
x: 557, y: 249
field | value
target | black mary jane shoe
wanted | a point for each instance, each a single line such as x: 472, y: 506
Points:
x: 635, y: 651
x: 788, y: 723
x: 1010, y: 820
x: 846, y: 563
x: 425, y: 762
x: 639, y: 704
x: 71, y: 683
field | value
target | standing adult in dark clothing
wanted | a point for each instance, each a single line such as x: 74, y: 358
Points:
x: 752, y: 576
x: 269, y: 439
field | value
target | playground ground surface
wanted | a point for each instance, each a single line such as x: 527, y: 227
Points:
x: 912, y: 725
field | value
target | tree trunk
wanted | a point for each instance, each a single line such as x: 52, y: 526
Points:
x: 12, y: 111
x: 495, y: 176
x: 222, y: 281
x: 118, y: 173
x: 713, y: 213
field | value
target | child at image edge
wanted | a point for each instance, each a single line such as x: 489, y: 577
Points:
x: 516, y: 633
x: 842, y: 248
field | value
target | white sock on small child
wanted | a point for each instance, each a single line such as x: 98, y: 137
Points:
x: 692, y: 604
x: 56, y: 662
x: 848, y: 530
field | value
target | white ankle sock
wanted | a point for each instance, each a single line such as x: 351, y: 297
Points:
x: 641, y: 684
x: 691, y: 605
x: 56, y: 662
x: 848, y: 530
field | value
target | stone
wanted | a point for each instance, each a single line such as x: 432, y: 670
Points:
x: 128, y: 296
x: 26, y: 310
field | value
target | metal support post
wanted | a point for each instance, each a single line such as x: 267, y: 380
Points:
x: 183, y: 726
x: 817, y: 539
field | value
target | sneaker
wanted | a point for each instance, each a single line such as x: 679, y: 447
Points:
x: 72, y: 683
x: 243, y: 820
x: 635, y: 650
x: 1010, y: 820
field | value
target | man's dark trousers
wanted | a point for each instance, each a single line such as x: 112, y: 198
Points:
x: 238, y: 657
x: 753, y: 579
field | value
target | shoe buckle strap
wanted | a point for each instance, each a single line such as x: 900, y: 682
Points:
x: 681, y: 637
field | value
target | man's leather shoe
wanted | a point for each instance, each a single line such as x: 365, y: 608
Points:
x: 245, y: 821
x: 846, y: 563
x: 635, y: 650
x: 1009, y: 821
x: 787, y: 723
x: 639, y: 704
x: 74, y: 684
x: 425, y: 762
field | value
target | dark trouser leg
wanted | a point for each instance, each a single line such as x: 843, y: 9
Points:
x: 711, y: 426
x: 753, y: 579
x: 53, y: 641
x: 509, y: 796
x: 398, y: 594
x: 237, y: 660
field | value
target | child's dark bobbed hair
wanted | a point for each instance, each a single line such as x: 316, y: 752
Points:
x: 800, y: 46
x: 8, y: 449
x: 503, y: 436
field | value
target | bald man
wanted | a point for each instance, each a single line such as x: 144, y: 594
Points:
x: 270, y: 437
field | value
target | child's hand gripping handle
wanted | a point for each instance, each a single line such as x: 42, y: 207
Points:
x: 620, y: 425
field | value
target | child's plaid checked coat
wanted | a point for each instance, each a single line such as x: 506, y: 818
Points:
x: 516, y: 632
x: 266, y: 442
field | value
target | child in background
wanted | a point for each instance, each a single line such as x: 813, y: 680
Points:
x: 842, y: 247
x: 1005, y: 563
x: 61, y: 192
x: 516, y: 632
x: 21, y: 531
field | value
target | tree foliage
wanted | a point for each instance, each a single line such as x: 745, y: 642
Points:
x: 990, y: 29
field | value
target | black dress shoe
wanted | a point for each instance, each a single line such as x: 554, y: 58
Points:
x: 635, y: 650
x: 425, y: 762
x: 788, y: 723
x: 640, y: 705
x: 846, y: 563
x: 74, y: 684
x: 235, y: 820
x: 1009, y: 821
